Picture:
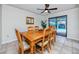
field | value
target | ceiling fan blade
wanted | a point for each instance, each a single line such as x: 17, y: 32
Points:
x: 52, y: 9
x: 40, y: 9
x: 47, y: 9
x: 46, y: 6
x: 43, y: 11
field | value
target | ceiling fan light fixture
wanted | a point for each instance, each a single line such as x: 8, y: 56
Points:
x: 46, y: 11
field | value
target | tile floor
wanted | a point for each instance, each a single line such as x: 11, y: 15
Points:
x: 61, y: 46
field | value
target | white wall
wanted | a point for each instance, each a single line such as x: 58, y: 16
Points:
x: 12, y: 18
x: 72, y: 22
x: 0, y: 23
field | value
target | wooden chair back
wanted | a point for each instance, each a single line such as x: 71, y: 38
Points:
x: 36, y: 27
x: 45, y: 35
x: 52, y: 27
x: 53, y: 33
x: 30, y: 28
x: 20, y: 43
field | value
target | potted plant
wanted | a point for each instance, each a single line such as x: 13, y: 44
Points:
x: 43, y: 24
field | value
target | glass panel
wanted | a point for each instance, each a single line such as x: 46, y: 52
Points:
x: 61, y: 25
x: 52, y: 22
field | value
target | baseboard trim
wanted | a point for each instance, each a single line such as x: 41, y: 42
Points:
x: 8, y: 41
x: 73, y: 39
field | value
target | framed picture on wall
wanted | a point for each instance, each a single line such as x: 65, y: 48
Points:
x: 29, y: 20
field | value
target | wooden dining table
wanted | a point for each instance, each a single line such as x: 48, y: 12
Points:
x: 32, y: 37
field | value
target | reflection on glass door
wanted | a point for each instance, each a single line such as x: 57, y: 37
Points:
x: 61, y: 26
x: 52, y: 22
x: 60, y: 23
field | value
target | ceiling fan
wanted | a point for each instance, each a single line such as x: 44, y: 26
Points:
x: 47, y: 9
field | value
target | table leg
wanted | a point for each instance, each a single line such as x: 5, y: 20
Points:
x: 55, y: 37
x: 32, y: 47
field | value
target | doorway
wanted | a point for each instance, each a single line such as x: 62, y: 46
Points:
x: 60, y: 22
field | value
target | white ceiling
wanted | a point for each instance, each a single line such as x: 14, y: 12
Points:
x: 33, y: 7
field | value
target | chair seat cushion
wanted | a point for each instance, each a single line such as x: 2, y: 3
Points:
x: 40, y: 43
x: 51, y: 38
x: 26, y: 46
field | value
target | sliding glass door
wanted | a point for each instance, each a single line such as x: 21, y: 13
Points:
x: 60, y: 23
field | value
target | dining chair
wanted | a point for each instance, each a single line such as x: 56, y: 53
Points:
x: 44, y: 43
x: 23, y: 46
x: 30, y: 28
x: 36, y: 28
x: 51, y: 39
x: 52, y: 34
